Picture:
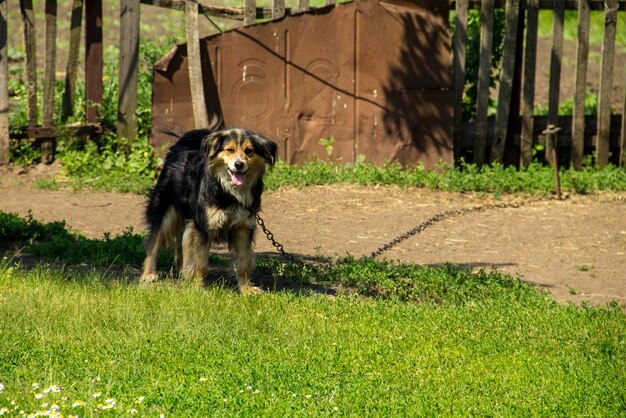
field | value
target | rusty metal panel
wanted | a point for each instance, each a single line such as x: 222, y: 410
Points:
x: 376, y: 76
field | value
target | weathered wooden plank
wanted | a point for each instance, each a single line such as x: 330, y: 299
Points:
x: 458, y: 65
x: 226, y: 12
x: 278, y: 9
x: 595, y: 5
x: 507, y: 70
x: 556, y: 59
x: 484, y: 75
x: 49, y: 78
x: 249, y: 13
x: 30, y: 50
x: 540, y: 123
x: 528, y: 94
x: 128, y: 72
x: 4, y: 84
x: 582, y: 58
x: 622, y: 145
x: 606, y: 83
x: 195, y: 66
x: 93, y: 60
x: 45, y: 132
x: 72, y: 60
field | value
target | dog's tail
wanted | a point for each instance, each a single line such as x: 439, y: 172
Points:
x: 216, y: 122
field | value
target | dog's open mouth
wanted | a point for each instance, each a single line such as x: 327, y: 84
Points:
x: 237, y: 177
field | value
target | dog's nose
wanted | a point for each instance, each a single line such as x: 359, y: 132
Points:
x: 239, y: 165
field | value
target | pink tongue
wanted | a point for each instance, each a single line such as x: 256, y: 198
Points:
x: 237, y: 178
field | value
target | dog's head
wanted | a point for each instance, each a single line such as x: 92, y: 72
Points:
x: 237, y: 156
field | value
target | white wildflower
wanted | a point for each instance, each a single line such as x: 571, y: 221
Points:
x: 53, y: 388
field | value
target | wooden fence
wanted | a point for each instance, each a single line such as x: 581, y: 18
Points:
x: 515, y: 128
x: 513, y: 132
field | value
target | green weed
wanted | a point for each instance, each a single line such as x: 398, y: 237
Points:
x: 496, y: 178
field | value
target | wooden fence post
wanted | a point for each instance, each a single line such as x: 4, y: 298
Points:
x: 196, y: 83
x: 556, y: 58
x: 30, y: 46
x: 606, y: 82
x: 49, y: 78
x: 4, y: 84
x: 622, y: 145
x: 93, y: 60
x: 578, y: 113
x: 72, y: 60
x: 484, y: 77
x: 249, y: 12
x: 460, y: 47
x: 528, y: 94
x: 303, y: 5
x: 507, y: 70
x: 278, y: 9
x: 129, y: 61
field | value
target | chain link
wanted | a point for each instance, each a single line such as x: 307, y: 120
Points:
x: 406, y: 235
x: 279, y: 247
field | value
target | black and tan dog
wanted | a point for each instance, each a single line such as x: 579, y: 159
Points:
x: 208, y: 192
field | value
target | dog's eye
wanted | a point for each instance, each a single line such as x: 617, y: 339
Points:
x: 230, y: 150
x: 248, y: 151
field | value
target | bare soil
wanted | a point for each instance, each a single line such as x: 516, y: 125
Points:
x: 575, y: 249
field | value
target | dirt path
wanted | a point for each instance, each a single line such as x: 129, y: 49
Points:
x: 575, y: 249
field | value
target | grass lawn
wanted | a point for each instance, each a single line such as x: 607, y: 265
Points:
x: 83, y: 343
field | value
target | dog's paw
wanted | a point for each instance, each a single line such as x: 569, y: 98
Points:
x: 149, y: 278
x: 250, y: 290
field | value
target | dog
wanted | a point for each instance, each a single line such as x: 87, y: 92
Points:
x: 208, y: 192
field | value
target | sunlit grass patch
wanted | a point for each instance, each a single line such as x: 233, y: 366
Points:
x: 186, y: 351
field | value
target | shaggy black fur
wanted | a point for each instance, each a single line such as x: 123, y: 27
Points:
x: 188, y: 184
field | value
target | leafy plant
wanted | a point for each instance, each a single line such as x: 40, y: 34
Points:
x: 327, y: 143
x: 496, y: 178
x: 473, y: 57
x: 17, y: 230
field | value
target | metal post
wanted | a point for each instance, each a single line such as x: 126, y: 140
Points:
x: 552, y: 145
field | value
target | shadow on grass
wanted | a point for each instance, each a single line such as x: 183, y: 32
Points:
x: 119, y: 258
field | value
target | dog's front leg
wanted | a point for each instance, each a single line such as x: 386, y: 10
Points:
x: 195, y: 255
x: 154, y: 243
x: 241, y: 246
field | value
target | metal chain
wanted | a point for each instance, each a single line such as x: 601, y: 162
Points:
x: 277, y: 245
x: 406, y: 235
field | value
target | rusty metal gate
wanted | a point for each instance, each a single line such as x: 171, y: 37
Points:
x: 376, y: 76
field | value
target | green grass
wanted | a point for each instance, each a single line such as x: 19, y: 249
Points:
x: 80, y: 336
x: 191, y: 352
x: 467, y: 177
x: 570, y: 29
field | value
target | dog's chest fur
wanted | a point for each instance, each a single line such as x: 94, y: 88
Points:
x: 228, y: 208
x: 220, y: 221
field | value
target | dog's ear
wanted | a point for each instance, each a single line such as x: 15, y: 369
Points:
x: 265, y: 147
x: 211, y: 144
